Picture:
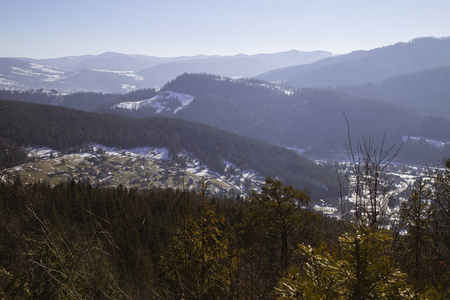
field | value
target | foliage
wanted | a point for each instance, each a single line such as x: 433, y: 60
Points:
x: 416, y: 216
x: 200, y: 261
x: 360, y: 268
x: 316, y: 278
x: 11, y: 153
x: 278, y: 212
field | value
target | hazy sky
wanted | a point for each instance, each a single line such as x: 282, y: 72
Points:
x: 56, y: 28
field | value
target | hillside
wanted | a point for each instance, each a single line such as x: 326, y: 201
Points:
x: 427, y: 91
x: 361, y: 67
x: 310, y: 120
x: 69, y: 130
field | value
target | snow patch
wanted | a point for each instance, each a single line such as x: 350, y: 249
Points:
x: 273, y: 86
x: 23, y: 72
x: 122, y: 73
x: 47, y: 69
x: 128, y: 87
x: 296, y: 149
x: 229, y: 165
x: 147, y: 152
x: 161, y: 102
x: 49, y: 73
x: 435, y: 143
x: 42, y: 152
x: 7, y: 82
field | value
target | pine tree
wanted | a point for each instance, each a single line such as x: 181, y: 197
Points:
x: 201, y: 264
x: 416, y: 216
x: 278, y: 210
x: 360, y: 268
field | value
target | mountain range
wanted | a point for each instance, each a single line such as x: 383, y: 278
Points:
x: 362, y: 67
x: 118, y: 73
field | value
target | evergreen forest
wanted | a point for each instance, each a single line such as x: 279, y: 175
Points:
x: 69, y: 130
x: 78, y: 241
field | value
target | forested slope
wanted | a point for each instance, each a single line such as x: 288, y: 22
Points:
x: 311, y: 119
x: 65, y: 129
x: 427, y: 91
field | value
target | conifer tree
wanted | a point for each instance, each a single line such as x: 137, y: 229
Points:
x: 416, y: 216
x: 278, y: 209
x: 360, y: 268
x: 201, y: 262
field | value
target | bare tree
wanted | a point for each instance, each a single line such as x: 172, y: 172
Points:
x: 369, y: 185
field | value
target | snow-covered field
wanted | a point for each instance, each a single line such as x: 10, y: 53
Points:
x: 46, y: 73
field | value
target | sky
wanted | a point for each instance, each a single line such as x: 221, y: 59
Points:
x: 168, y: 28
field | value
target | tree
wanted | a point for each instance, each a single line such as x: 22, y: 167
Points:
x: 50, y: 262
x: 201, y: 262
x: 441, y: 225
x: 360, y: 268
x: 278, y: 211
x: 416, y: 216
x: 441, y: 196
x: 316, y: 277
x: 10, y: 152
x: 369, y: 185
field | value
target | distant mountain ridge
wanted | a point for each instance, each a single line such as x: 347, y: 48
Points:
x: 119, y: 73
x: 362, y: 67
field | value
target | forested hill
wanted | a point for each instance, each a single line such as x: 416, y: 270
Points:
x: 427, y: 91
x: 310, y: 119
x: 62, y: 128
